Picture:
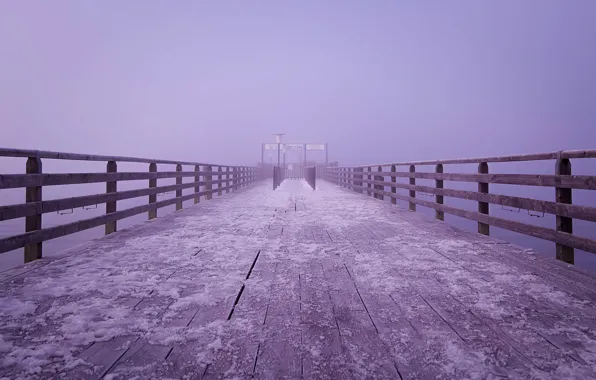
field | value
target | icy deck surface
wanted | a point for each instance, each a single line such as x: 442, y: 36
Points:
x: 296, y: 284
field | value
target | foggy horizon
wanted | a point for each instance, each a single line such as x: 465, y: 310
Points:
x: 212, y: 81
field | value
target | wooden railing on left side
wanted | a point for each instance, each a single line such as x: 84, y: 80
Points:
x: 228, y: 178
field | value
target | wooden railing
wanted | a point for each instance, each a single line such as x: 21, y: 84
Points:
x: 278, y: 176
x: 310, y: 175
x: 226, y: 178
x: 372, y: 180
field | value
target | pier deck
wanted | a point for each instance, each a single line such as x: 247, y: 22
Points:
x: 295, y: 283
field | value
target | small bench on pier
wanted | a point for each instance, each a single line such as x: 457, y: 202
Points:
x: 298, y: 283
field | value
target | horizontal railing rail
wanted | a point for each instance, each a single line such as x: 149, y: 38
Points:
x: 564, y: 154
x: 209, y: 179
x: 374, y: 179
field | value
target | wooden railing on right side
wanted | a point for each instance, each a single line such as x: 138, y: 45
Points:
x: 227, y: 178
x: 371, y: 180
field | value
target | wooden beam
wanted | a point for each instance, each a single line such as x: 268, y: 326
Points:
x: 220, y: 178
x: 483, y: 207
x: 573, y: 211
x: 393, y: 188
x: 412, y: 205
x: 197, y: 179
x: 380, y: 187
x: 152, y: 197
x: 563, y: 238
x: 111, y: 187
x: 33, y: 223
x: 369, y: 169
x: 179, y: 192
x: 7, y: 152
x: 208, y: 186
x: 11, y: 181
x: 583, y: 182
x: 569, y: 154
x: 440, y: 215
x: 563, y: 223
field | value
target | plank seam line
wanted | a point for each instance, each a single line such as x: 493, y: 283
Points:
x: 397, y: 369
x: 105, y: 372
x: 406, y: 317
x: 205, y: 371
x: 361, y: 300
x: 440, y: 316
x: 254, y: 367
x: 253, y: 264
x: 236, y: 302
x: 502, y: 334
x: 169, y: 353
x: 571, y: 356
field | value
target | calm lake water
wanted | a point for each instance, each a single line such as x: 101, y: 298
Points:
x: 53, y: 247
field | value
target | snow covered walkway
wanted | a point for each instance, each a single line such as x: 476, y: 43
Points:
x: 295, y: 283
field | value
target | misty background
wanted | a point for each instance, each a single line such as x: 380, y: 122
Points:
x: 380, y: 81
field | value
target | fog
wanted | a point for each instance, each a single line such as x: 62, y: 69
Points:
x: 378, y: 81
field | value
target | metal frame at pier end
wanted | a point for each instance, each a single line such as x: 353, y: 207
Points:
x: 562, y: 181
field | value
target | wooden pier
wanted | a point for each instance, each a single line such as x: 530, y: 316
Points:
x: 296, y: 283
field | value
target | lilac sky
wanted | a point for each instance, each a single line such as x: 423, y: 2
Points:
x: 379, y: 80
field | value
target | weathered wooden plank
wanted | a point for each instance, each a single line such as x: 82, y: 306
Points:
x: 360, y: 339
x: 10, y: 181
x: 280, y: 352
x: 9, y: 152
x: 323, y: 355
x: 239, y: 355
x: 33, y: 222
x: 513, y: 158
x: 584, y: 182
x: 567, y: 210
x: 564, y: 223
x: 111, y: 187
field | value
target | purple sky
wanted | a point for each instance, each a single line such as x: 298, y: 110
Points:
x: 379, y: 80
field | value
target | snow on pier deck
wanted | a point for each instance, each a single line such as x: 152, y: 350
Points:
x: 295, y: 283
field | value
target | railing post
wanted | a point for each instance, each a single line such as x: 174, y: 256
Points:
x: 111, y: 187
x: 440, y: 215
x: 380, y: 187
x: 412, y: 206
x: 197, y: 187
x: 178, y: 191
x: 346, y: 177
x: 483, y: 228
x: 564, y: 224
x: 33, y: 222
x: 369, y: 185
x: 351, y: 178
x: 152, y: 197
x: 208, y: 184
x: 219, y: 181
x: 234, y: 178
x: 227, y: 179
x: 393, y: 188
